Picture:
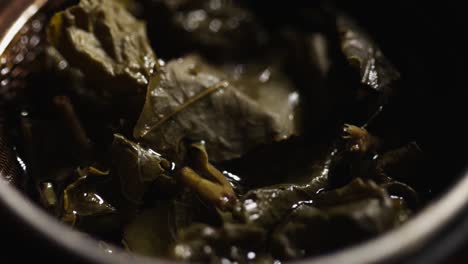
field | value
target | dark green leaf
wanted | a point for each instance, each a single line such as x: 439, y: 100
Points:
x: 266, y: 206
x: 104, y: 41
x: 357, y: 189
x: 219, y: 29
x: 336, y: 219
x: 237, y: 242
x: 189, y: 100
x: 364, y: 54
x: 151, y: 232
x: 85, y: 208
x: 266, y: 84
x: 137, y: 167
x: 402, y: 163
x: 80, y: 198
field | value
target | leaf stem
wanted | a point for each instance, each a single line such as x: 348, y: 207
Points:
x: 190, y: 101
x: 68, y: 112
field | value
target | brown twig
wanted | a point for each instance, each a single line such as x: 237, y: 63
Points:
x: 27, y: 136
x: 70, y: 117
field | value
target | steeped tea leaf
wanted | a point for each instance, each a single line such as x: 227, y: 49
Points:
x: 103, y: 40
x: 363, y: 54
x: 190, y: 100
x: 137, y: 167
